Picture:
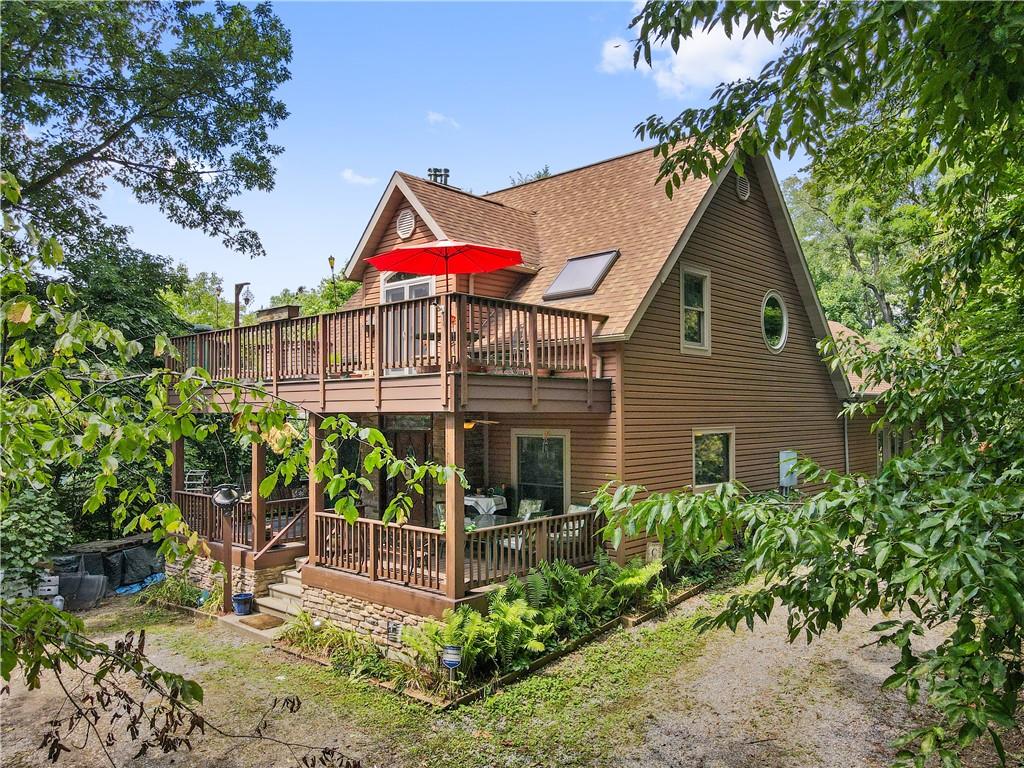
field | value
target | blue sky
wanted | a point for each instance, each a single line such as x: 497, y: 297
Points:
x: 487, y: 90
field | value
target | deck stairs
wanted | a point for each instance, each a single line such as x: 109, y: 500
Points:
x: 285, y: 597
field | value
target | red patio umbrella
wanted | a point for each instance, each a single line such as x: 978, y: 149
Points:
x: 446, y: 257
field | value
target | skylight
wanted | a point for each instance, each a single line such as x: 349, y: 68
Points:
x: 581, y: 275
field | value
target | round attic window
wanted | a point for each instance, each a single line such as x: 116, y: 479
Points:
x: 405, y: 222
x: 774, y: 321
x: 742, y: 187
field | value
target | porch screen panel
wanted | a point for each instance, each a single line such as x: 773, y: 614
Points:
x: 540, y: 463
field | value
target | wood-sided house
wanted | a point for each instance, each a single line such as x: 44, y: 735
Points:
x: 666, y: 342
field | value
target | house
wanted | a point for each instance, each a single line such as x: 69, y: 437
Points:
x: 666, y: 342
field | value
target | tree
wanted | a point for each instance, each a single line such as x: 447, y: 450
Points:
x: 526, y: 178
x: 200, y: 299
x: 930, y: 93
x: 858, y: 237
x: 328, y: 296
x: 72, y: 395
x: 175, y: 102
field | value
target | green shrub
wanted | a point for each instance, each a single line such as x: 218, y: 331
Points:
x: 176, y: 590
x: 31, y: 527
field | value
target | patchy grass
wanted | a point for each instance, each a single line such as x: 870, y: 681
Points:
x: 573, y: 713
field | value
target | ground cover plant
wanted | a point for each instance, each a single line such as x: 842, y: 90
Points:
x: 553, y: 605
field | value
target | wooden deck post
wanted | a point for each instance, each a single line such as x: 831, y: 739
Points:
x: 378, y: 351
x: 588, y: 344
x: 460, y: 349
x: 444, y: 331
x: 322, y: 362
x: 259, y: 504
x: 226, y: 547
x: 178, y: 467
x: 316, y: 488
x: 275, y: 353
x: 236, y: 354
x: 454, y: 511
x: 531, y: 335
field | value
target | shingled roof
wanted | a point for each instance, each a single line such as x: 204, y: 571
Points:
x: 843, y: 333
x: 616, y: 204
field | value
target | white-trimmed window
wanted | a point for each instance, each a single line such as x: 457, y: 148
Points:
x: 540, y: 467
x: 714, y: 456
x: 774, y: 321
x: 695, y: 310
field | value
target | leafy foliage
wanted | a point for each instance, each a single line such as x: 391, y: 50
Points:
x: 73, y: 396
x: 859, y: 235
x: 173, y: 102
x: 912, y: 97
x: 329, y: 295
x: 200, y: 299
x: 31, y: 528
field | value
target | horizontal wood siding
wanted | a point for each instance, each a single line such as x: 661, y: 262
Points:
x: 774, y: 401
x: 498, y: 284
x: 863, y: 446
x: 592, y: 442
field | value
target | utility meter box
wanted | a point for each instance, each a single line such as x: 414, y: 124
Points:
x: 787, y: 469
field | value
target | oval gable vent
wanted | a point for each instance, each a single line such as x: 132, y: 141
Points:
x: 742, y: 187
x: 405, y: 223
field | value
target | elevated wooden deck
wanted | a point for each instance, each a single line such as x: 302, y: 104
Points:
x: 427, y: 355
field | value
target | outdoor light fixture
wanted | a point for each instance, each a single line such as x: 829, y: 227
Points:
x: 334, y: 285
x: 395, y: 632
x: 238, y: 306
x: 247, y: 298
x: 317, y: 624
x: 225, y: 498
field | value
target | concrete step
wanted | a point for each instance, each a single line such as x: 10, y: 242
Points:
x: 291, y: 594
x: 300, y: 561
x: 275, y: 607
x: 292, y: 577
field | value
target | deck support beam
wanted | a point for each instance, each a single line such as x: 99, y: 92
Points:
x: 316, y: 487
x: 454, y: 510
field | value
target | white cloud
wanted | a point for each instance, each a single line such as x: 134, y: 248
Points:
x: 703, y: 61
x: 352, y: 177
x: 616, y: 55
x: 436, y: 118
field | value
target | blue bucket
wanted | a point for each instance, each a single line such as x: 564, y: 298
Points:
x: 241, y: 602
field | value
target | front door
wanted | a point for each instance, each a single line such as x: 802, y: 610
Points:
x: 541, y: 467
x: 399, y: 343
x: 410, y: 437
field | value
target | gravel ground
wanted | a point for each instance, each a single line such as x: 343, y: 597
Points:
x: 740, y: 700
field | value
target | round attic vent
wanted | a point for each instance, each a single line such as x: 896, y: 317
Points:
x: 405, y: 223
x: 742, y: 187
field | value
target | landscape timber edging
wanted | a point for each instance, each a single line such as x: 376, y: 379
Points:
x: 492, y: 686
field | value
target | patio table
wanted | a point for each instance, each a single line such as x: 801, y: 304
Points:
x: 486, y: 505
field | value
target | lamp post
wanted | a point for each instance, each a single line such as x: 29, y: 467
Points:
x: 225, y: 498
x: 334, y: 285
x: 246, y: 298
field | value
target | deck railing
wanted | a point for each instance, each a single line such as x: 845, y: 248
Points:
x: 415, y: 556
x: 284, y: 521
x: 451, y: 333
x: 495, y: 553
x: 401, y: 554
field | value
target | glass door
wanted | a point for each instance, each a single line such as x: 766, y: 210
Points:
x: 405, y: 336
x: 542, y: 468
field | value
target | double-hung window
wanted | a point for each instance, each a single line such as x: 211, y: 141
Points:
x: 695, y: 310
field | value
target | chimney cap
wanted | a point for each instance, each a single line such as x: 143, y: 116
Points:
x: 438, y: 175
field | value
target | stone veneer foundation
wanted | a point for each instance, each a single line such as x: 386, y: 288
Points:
x: 355, y: 614
x: 245, y: 579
